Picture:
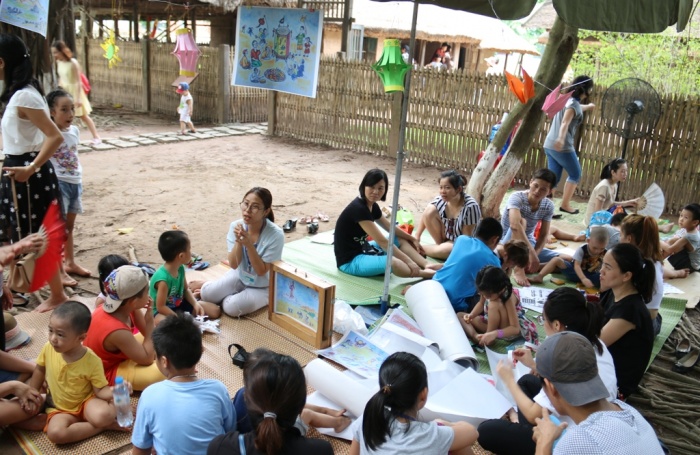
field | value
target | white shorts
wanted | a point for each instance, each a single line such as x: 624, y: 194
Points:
x: 184, y: 117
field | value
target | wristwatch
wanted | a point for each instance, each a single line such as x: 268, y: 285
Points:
x: 35, y: 167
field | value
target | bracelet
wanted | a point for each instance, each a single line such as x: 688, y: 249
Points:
x: 35, y: 167
x: 500, y: 333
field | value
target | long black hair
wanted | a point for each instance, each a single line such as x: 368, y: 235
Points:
x: 613, y: 165
x: 575, y: 313
x: 629, y: 259
x: 494, y: 280
x: 402, y: 377
x: 18, y: 66
x: 580, y: 86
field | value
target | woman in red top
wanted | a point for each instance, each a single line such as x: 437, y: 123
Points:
x: 127, y: 304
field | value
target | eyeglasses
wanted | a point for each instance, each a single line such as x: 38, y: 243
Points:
x: 252, y: 208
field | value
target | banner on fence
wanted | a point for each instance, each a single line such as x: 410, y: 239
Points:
x: 32, y: 15
x: 278, y: 49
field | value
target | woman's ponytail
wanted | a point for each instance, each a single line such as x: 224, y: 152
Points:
x: 269, y: 436
x: 375, y: 421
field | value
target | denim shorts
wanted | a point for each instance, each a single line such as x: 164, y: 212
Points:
x: 544, y: 256
x: 570, y: 274
x: 72, y: 196
x: 6, y: 376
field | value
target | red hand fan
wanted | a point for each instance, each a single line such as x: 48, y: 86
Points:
x: 53, y: 230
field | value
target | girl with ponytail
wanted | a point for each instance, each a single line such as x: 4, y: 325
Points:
x: 275, y: 394
x: 499, y: 313
x: 626, y: 284
x: 390, y: 422
x: 605, y: 192
x: 565, y: 309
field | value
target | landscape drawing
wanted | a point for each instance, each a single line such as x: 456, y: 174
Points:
x: 30, y: 15
x: 357, y: 354
x: 297, y: 301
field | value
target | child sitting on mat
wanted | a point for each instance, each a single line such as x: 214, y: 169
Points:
x: 390, y: 425
x: 498, y: 315
x: 79, y: 398
x: 513, y: 253
x: 168, y: 287
x: 184, y: 413
x: 275, y: 393
x: 586, y: 264
x: 684, y: 247
x: 106, y: 266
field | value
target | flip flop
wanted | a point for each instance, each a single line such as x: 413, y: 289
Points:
x: 19, y: 299
x: 200, y: 265
x: 575, y: 212
x: 323, y: 217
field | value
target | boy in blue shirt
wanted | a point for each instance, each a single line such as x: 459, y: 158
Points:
x: 183, y: 413
x: 168, y: 287
x: 468, y: 256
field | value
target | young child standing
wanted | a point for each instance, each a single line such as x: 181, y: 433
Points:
x: 78, y: 394
x: 69, y: 172
x: 499, y: 313
x: 183, y: 413
x: 168, y: 287
x: 586, y: 264
x: 185, y: 108
x: 390, y: 423
x: 684, y: 247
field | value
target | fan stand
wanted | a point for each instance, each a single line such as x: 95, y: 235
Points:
x: 633, y: 108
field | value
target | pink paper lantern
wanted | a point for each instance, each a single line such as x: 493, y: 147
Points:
x: 187, y: 52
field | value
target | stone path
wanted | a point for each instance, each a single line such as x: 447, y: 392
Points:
x: 231, y: 129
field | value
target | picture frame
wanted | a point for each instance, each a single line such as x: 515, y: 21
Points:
x: 301, y: 303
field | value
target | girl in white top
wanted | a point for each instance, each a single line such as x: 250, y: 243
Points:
x: 605, y: 192
x: 69, y: 79
x: 565, y: 309
x: 390, y: 423
x: 29, y: 138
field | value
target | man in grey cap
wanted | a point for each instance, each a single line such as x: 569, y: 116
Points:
x: 566, y: 362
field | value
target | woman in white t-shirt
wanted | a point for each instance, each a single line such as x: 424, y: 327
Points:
x: 604, y: 194
x: 565, y: 309
x: 29, y: 139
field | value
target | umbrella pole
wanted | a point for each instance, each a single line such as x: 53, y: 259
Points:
x: 384, y: 301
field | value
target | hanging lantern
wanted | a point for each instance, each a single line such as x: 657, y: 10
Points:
x: 187, y: 53
x: 391, y: 68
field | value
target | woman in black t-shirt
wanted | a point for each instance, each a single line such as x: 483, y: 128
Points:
x: 356, y: 255
x: 627, y: 281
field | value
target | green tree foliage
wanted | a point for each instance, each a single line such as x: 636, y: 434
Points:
x: 670, y: 63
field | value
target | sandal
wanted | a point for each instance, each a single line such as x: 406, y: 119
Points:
x: 312, y: 227
x: 289, y: 225
x: 323, y: 217
x: 19, y: 299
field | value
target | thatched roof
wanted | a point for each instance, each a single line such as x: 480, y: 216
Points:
x: 438, y: 24
x: 544, y: 16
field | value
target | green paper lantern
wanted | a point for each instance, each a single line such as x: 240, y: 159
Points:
x: 391, y: 68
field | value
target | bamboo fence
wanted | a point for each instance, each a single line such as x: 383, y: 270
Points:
x: 449, y: 118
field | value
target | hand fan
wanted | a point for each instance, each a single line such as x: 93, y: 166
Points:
x: 652, y: 202
x: 53, y: 230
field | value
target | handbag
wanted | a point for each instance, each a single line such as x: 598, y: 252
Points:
x: 85, y: 83
x: 22, y: 267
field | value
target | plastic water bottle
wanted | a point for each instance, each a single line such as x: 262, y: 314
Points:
x: 122, y: 402
x: 556, y: 422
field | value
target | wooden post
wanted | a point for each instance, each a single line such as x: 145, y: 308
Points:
x: 395, y: 128
x: 423, y: 44
x: 146, y: 75
x: 136, y: 22
x: 224, y: 98
x: 115, y: 23
x: 100, y: 32
x: 193, y: 20
x: 347, y: 23
x: 271, y: 112
x: 86, y: 56
x: 168, y: 38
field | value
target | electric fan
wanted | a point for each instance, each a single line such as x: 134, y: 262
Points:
x: 631, y: 109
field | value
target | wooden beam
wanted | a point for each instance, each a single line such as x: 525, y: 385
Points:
x: 137, y: 32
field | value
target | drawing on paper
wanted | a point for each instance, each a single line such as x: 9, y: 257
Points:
x: 357, y: 354
x: 30, y: 15
x: 297, y: 301
x: 533, y: 298
x: 400, y: 318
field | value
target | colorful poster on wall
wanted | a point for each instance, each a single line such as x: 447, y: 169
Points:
x: 32, y: 15
x: 278, y: 49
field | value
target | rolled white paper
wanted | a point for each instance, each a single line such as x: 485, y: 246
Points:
x: 349, y: 394
x: 434, y: 314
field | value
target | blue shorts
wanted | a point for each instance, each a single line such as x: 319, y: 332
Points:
x: 368, y: 264
x: 6, y: 376
x: 71, y: 194
x: 570, y: 274
x: 544, y: 256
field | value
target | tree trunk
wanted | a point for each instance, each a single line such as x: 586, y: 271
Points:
x: 560, y: 48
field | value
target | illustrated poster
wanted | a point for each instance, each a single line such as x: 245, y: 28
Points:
x: 357, y: 354
x: 278, y: 49
x: 296, y: 301
x: 30, y: 15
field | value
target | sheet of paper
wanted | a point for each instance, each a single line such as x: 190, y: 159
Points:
x: 319, y: 399
x: 533, y: 297
x: 400, y: 318
x: 468, y: 397
x: 520, y: 370
x: 325, y: 238
x: 390, y: 341
x: 339, y: 388
x: 566, y: 250
x: 434, y: 314
x: 671, y: 289
x: 356, y: 353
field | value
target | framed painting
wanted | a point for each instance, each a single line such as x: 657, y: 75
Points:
x: 302, y: 304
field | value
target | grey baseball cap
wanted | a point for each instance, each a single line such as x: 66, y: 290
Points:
x: 568, y: 361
